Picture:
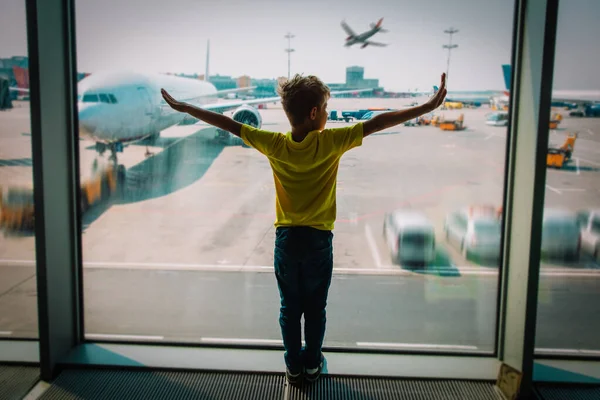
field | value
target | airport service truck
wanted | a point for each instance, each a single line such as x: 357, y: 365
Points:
x: 17, y: 201
x: 558, y: 156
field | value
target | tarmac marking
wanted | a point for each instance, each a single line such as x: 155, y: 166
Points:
x: 372, y: 246
x: 553, y: 189
x: 100, y: 336
x: 5, y: 333
x: 416, y: 346
x: 577, y: 165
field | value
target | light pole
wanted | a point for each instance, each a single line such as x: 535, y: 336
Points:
x: 449, y: 46
x: 289, y: 50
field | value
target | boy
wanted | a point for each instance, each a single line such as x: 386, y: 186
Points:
x: 305, y: 164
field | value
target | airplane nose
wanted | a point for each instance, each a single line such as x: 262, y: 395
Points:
x: 88, y: 115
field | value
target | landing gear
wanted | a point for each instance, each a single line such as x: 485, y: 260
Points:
x: 151, y: 140
x: 101, y: 148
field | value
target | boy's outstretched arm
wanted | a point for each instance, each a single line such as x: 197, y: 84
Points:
x: 393, y: 118
x: 210, y: 117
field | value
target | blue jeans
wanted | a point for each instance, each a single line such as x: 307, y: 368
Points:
x: 303, y: 268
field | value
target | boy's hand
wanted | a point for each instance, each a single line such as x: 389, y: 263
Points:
x: 175, y: 105
x: 393, y: 118
x: 438, y: 98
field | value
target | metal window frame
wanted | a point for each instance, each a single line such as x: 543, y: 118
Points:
x: 530, y: 101
x: 52, y: 66
x: 53, y: 72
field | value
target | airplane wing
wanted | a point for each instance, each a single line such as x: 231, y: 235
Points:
x: 197, y: 99
x: 348, y: 30
x: 226, y: 91
x: 568, y: 96
x: 375, y: 43
x: 226, y: 106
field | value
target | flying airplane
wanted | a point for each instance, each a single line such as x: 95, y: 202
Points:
x: 587, y: 101
x: 354, y: 38
x: 116, y: 108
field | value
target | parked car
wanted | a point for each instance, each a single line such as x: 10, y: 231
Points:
x: 475, y: 231
x: 497, y: 119
x: 410, y: 236
x: 561, y: 234
x: 589, y: 223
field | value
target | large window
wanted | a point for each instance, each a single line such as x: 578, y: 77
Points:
x: 569, y: 292
x: 18, y: 303
x: 178, y: 218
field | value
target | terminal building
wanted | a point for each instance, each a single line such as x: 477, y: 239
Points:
x: 355, y: 80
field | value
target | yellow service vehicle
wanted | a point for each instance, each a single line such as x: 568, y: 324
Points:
x: 453, y: 125
x: 16, y: 209
x: 557, y: 157
x: 17, y: 205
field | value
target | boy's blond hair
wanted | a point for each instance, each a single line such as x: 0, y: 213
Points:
x: 300, y: 94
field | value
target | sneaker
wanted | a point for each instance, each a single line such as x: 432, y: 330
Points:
x: 312, y: 374
x: 292, y: 378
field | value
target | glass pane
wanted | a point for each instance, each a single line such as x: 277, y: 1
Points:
x: 569, y: 291
x: 179, y: 234
x: 18, y: 287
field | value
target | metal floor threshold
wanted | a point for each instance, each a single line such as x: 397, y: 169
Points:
x: 338, y: 388
x: 128, y: 384
x: 17, y: 381
x: 570, y: 392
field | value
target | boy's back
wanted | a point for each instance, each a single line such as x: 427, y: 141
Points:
x: 305, y: 172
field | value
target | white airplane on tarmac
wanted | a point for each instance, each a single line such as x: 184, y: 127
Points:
x: 116, y: 108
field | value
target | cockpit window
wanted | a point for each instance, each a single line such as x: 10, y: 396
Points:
x: 90, y: 98
x: 107, y: 98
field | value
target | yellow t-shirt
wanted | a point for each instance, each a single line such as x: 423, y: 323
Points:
x: 305, y: 173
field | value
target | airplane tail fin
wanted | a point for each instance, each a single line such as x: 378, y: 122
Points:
x: 378, y: 24
x: 506, y: 69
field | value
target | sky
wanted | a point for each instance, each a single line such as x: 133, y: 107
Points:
x: 247, y: 38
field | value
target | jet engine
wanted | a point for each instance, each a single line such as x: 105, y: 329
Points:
x: 248, y: 115
x: 245, y: 114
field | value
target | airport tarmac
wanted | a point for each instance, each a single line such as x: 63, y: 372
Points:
x: 198, y: 206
